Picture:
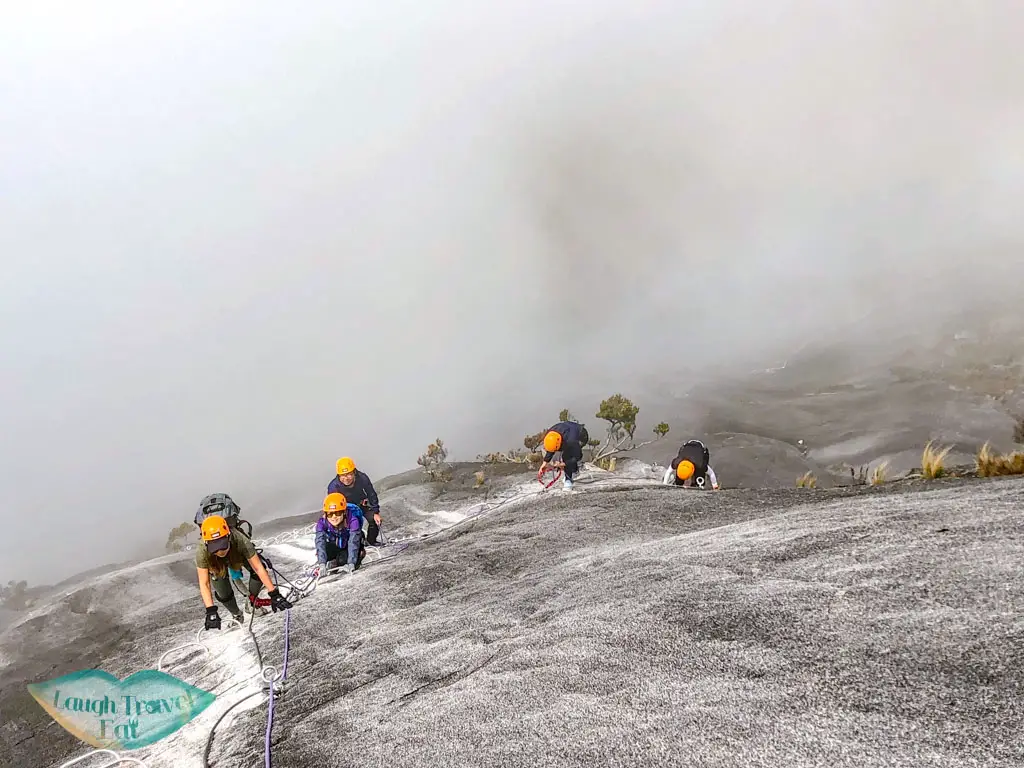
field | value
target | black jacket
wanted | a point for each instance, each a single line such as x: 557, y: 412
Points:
x: 361, y: 492
x: 574, y: 437
x: 698, y: 455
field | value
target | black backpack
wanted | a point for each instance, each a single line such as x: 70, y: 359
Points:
x: 223, y: 505
x: 687, y: 452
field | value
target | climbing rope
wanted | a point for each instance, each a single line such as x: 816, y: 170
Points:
x: 296, y: 590
x: 516, y: 493
x: 116, y: 759
x: 267, y: 673
x: 556, y: 475
x: 273, y: 679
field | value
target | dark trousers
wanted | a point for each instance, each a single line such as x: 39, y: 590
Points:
x: 225, y: 594
x: 352, y: 553
x: 372, y: 529
x: 572, y: 455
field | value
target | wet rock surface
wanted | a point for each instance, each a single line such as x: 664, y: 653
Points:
x: 624, y: 623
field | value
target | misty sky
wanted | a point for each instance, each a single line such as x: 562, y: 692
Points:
x: 242, y: 239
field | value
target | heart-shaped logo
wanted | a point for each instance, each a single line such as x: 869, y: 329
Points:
x: 108, y: 713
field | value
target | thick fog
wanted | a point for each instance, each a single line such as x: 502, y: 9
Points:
x: 240, y: 240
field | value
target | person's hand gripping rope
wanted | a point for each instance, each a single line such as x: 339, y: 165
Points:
x: 274, y: 599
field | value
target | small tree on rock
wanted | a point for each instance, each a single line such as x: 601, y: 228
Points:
x: 434, y: 461
x: 175, y: 539
x: 15, y: 595
x: 532, y: 443
x: 620, y: 413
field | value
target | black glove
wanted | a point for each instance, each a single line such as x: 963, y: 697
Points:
x: 278, y: 603
x: 212, y: 618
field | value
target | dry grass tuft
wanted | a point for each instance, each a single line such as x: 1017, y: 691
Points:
x: 481, y: 478
x: 880, y: 473
x: 807, y: 481
x: 989, y: 464
x: 933, y: 461
x: 515, y: 456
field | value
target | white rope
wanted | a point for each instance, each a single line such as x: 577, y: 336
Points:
x: 116, y: 759
x: 160, y: 661
x: 269, y: 674
x: 231, y: 624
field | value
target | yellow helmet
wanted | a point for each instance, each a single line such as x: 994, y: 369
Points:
x: 552, y: 441
x: 346, y: 465
x: 685, y: 469
x: 335, y: 502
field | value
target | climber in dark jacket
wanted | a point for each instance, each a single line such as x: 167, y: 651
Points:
x: 567, y: 437
x: 358, y: 489
x: 691, y: 467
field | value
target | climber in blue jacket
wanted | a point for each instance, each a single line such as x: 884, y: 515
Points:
x: 339, y: 533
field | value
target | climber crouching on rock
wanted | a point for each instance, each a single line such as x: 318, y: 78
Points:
x: 568, y: 438
x: 339, y: 533
x: 357, y: 489
x: 691, y: 468
x: 226, y: 549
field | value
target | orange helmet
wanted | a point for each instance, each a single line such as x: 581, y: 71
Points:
x: 215, y: 527
x: 552, y: 441
x: 216, y: 533
x: 335, y: 502
x: 346, y: 465
x: 685, y: 469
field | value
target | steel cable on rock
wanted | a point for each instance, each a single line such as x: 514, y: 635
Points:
x: 304, y: 588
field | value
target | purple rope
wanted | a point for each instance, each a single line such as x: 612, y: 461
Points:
x: 287, y: 619
x: 270, y: 724
x: 284, y: 674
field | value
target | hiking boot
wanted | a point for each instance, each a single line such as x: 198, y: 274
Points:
x: 348, y: 568
x: 566, y: 484
x: 239, y: 618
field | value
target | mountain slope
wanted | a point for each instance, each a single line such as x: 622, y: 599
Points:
x: 621, y: 625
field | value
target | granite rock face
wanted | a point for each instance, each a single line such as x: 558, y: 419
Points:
x: 621, y: 623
